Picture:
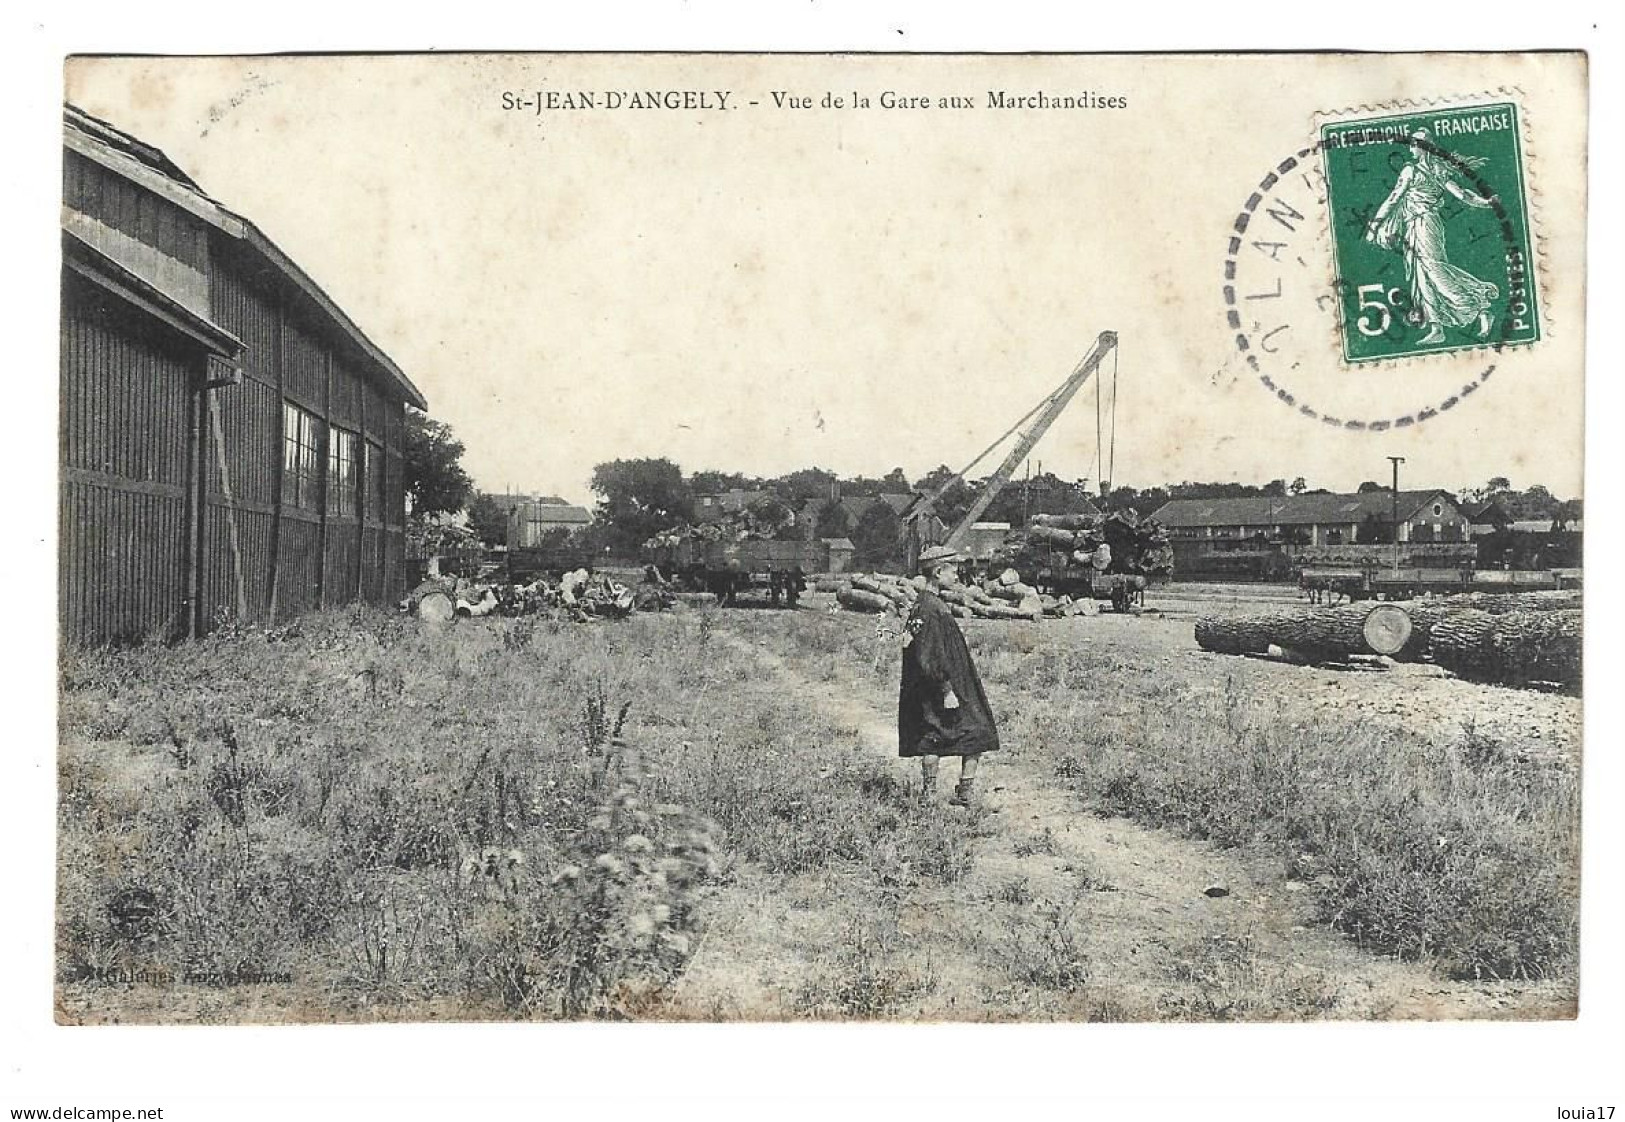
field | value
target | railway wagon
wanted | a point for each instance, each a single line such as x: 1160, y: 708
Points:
x: 729, y: 568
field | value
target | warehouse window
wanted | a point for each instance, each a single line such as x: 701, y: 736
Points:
x: 301, y: 458
x: 341, y: 473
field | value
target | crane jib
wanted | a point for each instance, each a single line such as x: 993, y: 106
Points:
x: 1043, y: 415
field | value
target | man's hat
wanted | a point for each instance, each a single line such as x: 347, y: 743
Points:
x: 938, y: 555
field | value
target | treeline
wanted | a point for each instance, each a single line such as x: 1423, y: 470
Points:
x: 638, y: 498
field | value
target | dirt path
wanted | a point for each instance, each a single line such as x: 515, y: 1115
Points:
x: 1064, y: 915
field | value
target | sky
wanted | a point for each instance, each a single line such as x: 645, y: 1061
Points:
x: 761, y: 288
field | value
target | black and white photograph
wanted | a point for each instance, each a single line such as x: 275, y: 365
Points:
x: 908, y: 539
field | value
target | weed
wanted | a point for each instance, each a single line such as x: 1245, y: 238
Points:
x: 1035, y: 844
x: 870, y: 976
x: 1016, y: 890
x: 1044, y: 948
x: 1225, y: 978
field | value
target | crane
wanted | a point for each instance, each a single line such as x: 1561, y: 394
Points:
x: 1042, y: 416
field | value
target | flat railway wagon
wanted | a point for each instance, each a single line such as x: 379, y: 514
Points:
x: 730, y: 568
x: 1411, y: 583
x: 525, y: 565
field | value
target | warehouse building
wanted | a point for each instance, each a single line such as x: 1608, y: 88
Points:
x: 231, y: 443
x: 1323, y: 519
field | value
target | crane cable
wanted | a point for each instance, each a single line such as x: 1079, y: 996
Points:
x: 1111, y: 469
x: 1100, y: 459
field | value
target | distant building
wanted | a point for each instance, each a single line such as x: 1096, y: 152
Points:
x: 713, y: 508
x: 530, y: 523
x: 231, y: 442
x: 1487, y: 518
x: 841, y: 552
x: 1546, y: 526
x: 1318, y: 520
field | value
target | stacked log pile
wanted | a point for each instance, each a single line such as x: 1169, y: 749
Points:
x: 767, y: 519
x: 1508, y: 640
x: 1118, y: 544
x: 1511, y: 648
x: 1429, y: 613
x: 1314, y: 634
x: 1001, y: 597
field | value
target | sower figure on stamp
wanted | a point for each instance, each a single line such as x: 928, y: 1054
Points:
x: 1409, y: 222
x: 941, y: 707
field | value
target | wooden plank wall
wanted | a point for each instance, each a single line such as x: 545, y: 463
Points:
x: 91, y: 189
x: 123, y: 428
x: 243, y: 457
x: 125, y: 422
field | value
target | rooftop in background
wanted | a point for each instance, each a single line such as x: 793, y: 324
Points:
x: 1546, y: 526
x: 1295, y: 510
x: 562, y: 514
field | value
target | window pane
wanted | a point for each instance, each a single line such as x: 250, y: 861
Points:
x: 290, y: 455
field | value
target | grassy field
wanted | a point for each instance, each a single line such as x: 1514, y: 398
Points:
x: 696, y: 815
x: 1426, y: 838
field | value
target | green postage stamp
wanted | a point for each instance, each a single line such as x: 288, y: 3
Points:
x: 1430, y: 232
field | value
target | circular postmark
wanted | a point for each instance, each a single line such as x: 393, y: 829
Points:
x: 1377, y: 277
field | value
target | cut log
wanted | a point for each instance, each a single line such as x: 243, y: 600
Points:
x: 1316, y: 635
x: 1463, y: 644
x: 1072, y: 522
x: 862, y: 600
x: 1013, y: 593
x: 1387, y: 628
x: 1539, y: 646
x: 1004, y: 611
x: 1052, y: 535
x: 1429, y: 613
x: 436, y: 607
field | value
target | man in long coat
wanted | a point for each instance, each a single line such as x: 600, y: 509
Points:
x: 942, y: 709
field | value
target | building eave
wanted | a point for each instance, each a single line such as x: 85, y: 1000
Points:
x: 85, y: 260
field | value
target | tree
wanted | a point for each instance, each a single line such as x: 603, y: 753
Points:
x: 955, y: 502
x: 716, y: 482
x: 808, y: 483
x: 1371, y: 486
x: 1275, y: 488
x: 834, y: 520
x: 877, y: 539
x: 1299, y: 486
x: 895, y: 483
x: 488, y: 517
x: 433, y: 473
x: 639, y: 498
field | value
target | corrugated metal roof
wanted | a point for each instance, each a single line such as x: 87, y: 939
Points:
x: 1295, y: 510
